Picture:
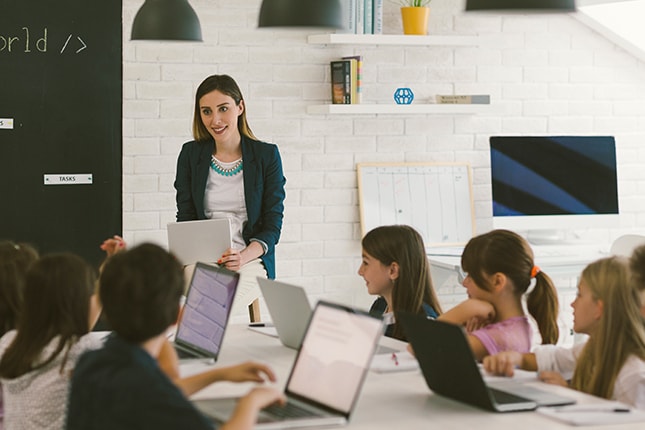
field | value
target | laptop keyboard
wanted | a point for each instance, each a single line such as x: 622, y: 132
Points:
x: 289, y: 410
x: 503, y: 397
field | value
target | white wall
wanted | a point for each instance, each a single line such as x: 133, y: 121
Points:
x: 546, y: 74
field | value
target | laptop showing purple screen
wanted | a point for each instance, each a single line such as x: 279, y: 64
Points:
x: 203, y: 321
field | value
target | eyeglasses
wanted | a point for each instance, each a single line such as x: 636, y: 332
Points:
x: 461, y: 275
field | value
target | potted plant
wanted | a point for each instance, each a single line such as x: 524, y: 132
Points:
x: 414, y: 14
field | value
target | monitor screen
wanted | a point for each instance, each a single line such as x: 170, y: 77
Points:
x: 553, y: 182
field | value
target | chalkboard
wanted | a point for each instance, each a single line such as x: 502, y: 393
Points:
x: 434, y: 198
x: 60, y: 123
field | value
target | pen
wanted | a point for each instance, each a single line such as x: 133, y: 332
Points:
x: 395, y: 358
x: 592, y: 409
x: 257, y: 324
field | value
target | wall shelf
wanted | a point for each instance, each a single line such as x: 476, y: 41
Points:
x: 392, y: 39
x: 435, y: 109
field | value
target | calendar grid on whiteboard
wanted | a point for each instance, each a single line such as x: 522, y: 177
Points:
x: 434, y: 198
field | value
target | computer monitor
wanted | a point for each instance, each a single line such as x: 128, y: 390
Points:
x: 546, y: 184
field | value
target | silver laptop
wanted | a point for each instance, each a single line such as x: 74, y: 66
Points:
x: 289, y: 309
x: 449, y: 368
x: 205, y: 315
x: 327, y: 375
x: 202, y: 240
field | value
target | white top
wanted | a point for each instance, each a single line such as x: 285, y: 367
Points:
x: 38, y: 399
x: 224, y: 198
x: 629, y: 387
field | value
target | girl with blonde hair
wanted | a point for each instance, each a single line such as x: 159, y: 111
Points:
x: 611, y: 364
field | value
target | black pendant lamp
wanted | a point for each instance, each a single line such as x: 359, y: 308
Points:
x: 166, y: 20
x: 521, y: 5
x: 301, y: 13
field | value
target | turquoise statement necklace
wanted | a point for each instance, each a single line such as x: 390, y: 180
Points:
x: 226, y: 171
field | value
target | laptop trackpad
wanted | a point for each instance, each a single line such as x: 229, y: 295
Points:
x: 541, y: 397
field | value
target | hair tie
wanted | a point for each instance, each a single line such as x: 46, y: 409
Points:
x: 534, y: 271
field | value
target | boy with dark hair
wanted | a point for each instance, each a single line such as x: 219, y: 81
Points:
x: 123, y: 385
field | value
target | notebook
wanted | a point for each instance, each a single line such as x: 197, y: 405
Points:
x: 327, y: 375
x: 449, y: 368
x: 205, y: 315
x: 202, y: 240
x: 289, y: 309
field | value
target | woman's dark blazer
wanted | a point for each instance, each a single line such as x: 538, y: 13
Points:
x: 263, y: 190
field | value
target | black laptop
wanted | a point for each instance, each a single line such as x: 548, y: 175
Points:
x: 450, y: 369
x: 203, y: 321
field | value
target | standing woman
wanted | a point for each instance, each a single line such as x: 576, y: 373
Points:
x: 226, y: 172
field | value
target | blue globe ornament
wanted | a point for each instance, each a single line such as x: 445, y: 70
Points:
x: 403, y: 96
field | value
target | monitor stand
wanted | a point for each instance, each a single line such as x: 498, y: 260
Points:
x: 546, y: 237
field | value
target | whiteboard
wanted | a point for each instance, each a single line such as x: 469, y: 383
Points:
x: 434, y: 198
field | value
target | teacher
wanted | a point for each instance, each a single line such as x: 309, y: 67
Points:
x: 226, y: 172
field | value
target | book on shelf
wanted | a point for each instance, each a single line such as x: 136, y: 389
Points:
x: 368, y: 16
x: 357, y: 79
x: 463, y: 99
x: 344, y: 81
x: 349, y: 16
x: 377, y: 16
x: 362, y: 17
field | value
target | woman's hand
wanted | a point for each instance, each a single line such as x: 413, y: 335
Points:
x: 231, y: 259
x: 234, y: 259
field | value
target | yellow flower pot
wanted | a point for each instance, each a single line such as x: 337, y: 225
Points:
x: 415, y: 20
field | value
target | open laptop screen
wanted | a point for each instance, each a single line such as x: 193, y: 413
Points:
x: 208, y: 305
x: 335, y: 356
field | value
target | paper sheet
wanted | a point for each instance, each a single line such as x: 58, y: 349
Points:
x: 587, y: 414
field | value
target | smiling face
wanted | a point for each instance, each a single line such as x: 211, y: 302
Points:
x: 587, y: 310
x: 219, y: 114
x: 378, y: 277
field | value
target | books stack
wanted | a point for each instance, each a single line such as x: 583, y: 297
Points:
x: 363, y: 16
x: 464, y: 99
x: 346, y: 80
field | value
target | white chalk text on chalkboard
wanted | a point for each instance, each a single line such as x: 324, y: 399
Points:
x: 26, y: 42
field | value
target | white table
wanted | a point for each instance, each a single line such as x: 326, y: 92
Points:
x: 390, y: 401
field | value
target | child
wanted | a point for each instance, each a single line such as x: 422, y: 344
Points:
x: 395, y: 268
x: 637, y: 266
x: 52, y: 331
x: 15, y: 259
x: 611, y: 364
x: 499, y: 268
x: 122, y: 385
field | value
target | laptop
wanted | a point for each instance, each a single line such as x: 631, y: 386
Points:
x: 205, y: 315
x: 289, y: 309
x: 327, y: 375
x: 450, y: 369
x: 202, y: 240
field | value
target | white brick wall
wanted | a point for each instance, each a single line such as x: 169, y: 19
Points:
x: 546, y: 74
